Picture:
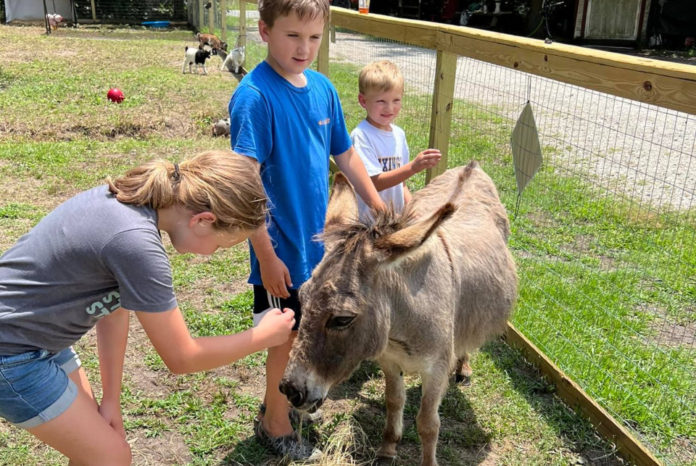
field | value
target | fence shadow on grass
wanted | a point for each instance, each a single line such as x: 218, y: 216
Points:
x: 540, y: 395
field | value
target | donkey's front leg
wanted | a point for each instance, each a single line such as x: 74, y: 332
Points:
x: 395, y: 397
x: 434, y: 386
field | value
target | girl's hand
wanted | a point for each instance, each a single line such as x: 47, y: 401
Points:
x: 275, y: 277
x: 426, y: 159
x: 276, y: 326
x: 112, y: 414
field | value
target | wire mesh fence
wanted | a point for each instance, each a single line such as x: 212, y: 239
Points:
x: 130, y: 11
x: 215, y: 15
x: 229, y: 20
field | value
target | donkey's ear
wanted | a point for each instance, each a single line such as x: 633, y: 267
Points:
x: 407, y: 239
x: 343, y: 205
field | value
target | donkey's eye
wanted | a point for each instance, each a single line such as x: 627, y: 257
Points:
x: 339, y: 322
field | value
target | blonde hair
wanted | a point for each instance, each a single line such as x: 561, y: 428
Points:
x: 270, y: 10
x: 380, y: 76
x: 218, y: 181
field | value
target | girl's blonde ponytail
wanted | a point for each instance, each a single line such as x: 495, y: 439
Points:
x: 222, y: 182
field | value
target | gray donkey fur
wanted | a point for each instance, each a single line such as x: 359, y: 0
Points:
x: 416, y: 292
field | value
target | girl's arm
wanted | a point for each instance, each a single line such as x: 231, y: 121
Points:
x: 112, y: 336
x: 184, y: 354
x: 352, y: 166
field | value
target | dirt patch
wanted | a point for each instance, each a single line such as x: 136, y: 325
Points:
x: 667, y: 332
x: 167, y: 448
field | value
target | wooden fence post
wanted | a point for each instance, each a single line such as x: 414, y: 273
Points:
x: 211, y: 18
x: 201, y: 12
x: 223, y: 20
x: 94, y: 11
x: 242, y: 23
x: 323, y: 55
x: 441, y: 116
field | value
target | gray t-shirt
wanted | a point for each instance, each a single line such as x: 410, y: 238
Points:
x: 84, y: 260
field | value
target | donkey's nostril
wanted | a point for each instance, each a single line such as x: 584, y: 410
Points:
x: 295, y: 396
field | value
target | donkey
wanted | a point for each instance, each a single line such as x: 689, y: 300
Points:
x: 416, y: 292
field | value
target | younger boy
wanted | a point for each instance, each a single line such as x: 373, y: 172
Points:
x: 289, y: 119
x: 381, y: 144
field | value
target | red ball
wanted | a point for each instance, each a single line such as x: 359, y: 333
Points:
x: 115, y: 95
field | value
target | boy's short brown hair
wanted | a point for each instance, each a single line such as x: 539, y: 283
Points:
x: 380, y: 76
x: 270, y: 10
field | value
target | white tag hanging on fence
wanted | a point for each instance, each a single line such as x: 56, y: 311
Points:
x: 526, y: 150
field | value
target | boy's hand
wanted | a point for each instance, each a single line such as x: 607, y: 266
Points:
x: 275, y: 277
x: 276, y: 326
x: 426, y: 159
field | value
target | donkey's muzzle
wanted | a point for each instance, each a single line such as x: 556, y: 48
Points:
x: 296, y: 396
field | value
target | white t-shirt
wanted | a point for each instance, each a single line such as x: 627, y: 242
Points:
x: 381, y: 151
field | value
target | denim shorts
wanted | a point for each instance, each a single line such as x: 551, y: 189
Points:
x: 34, y: 386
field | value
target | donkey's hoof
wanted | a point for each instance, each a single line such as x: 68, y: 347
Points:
x: 462, y: 379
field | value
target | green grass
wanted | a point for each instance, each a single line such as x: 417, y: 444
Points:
x: 592, y: 269
x: 595, y: 309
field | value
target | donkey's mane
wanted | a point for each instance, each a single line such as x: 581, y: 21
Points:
x: 352, y: 232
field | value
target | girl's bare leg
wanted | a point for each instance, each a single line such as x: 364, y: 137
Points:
x: 81, y: 434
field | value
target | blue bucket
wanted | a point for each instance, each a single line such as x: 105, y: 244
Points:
x: 156, y: 24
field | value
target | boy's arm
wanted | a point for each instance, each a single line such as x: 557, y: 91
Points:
x: 426, y: 159
x: 407, y: 194
x: 274, y: 273
x: 352, y: 166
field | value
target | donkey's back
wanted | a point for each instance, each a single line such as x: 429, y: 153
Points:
x: 475, y: 238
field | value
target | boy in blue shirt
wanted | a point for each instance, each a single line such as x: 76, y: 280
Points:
x: 289, y: 119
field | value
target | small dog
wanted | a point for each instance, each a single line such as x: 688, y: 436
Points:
x: 234, y: 61
x: 196, y: 57
x: 212, y: 41
x: 54, y: 20
x: 222, y: 127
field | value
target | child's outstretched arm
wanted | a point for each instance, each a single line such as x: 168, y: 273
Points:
x: 352, y: 166
x: 426, y: 159
x: 184, y: 354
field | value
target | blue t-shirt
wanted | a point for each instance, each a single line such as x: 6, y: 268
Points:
x: 291, y: 132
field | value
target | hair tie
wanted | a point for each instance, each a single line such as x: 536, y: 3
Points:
x: 176, y: 175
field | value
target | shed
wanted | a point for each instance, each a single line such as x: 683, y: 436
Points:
x: 36, y: 10
x: 611, y: 21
